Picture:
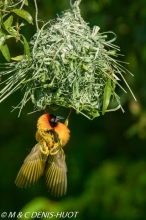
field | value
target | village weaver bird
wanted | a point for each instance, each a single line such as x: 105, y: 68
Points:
x: 47, y: 156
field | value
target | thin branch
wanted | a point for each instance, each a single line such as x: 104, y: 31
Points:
x: 76, y: 3
x: 11, y: 6
x: 36, y: 15
x: 23, y: 1
x: 4, y: 11
x: 71, y: 5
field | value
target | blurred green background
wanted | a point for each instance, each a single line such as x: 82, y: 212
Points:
x: 106, y: 157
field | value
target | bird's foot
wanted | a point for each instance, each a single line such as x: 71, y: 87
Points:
x: 44, y: 149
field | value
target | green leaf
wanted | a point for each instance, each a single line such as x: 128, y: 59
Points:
x: 94, y: 115
x: 17, y: 58
x: 5, y: 52
x: 8, y: 22
x: 8, y: 26
x: 71, y: 65
x: 4, y: 4
x: 24, y: 14
x: 2, y: 38
x: 106, y: 96
x: 21, y: 25
x: 85, y: 67
x: 26, y: 48
x: 0, y: 18
x: 26, y: 2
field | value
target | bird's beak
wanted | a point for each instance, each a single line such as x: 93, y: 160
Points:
x: 58, y: 118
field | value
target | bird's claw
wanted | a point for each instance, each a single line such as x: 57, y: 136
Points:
x: 46, y: 151
x: 54, y: 149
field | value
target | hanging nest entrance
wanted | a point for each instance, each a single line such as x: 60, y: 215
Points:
x: 71, y: 65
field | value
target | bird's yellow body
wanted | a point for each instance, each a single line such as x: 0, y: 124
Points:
x: 43, y: 126
x: 47, y: 157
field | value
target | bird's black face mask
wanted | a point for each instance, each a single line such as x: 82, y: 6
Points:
x: 54, y: 120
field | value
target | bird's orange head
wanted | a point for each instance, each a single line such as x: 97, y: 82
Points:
x: 50, y: 121
x: 53, y: 120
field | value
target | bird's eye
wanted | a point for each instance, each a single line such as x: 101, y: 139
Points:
x: 52, y: 119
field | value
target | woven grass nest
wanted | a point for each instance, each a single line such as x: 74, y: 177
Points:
x: 71, y: 65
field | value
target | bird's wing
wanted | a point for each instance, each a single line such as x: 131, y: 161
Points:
x: 32, y: 168
x: 55, y: 174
